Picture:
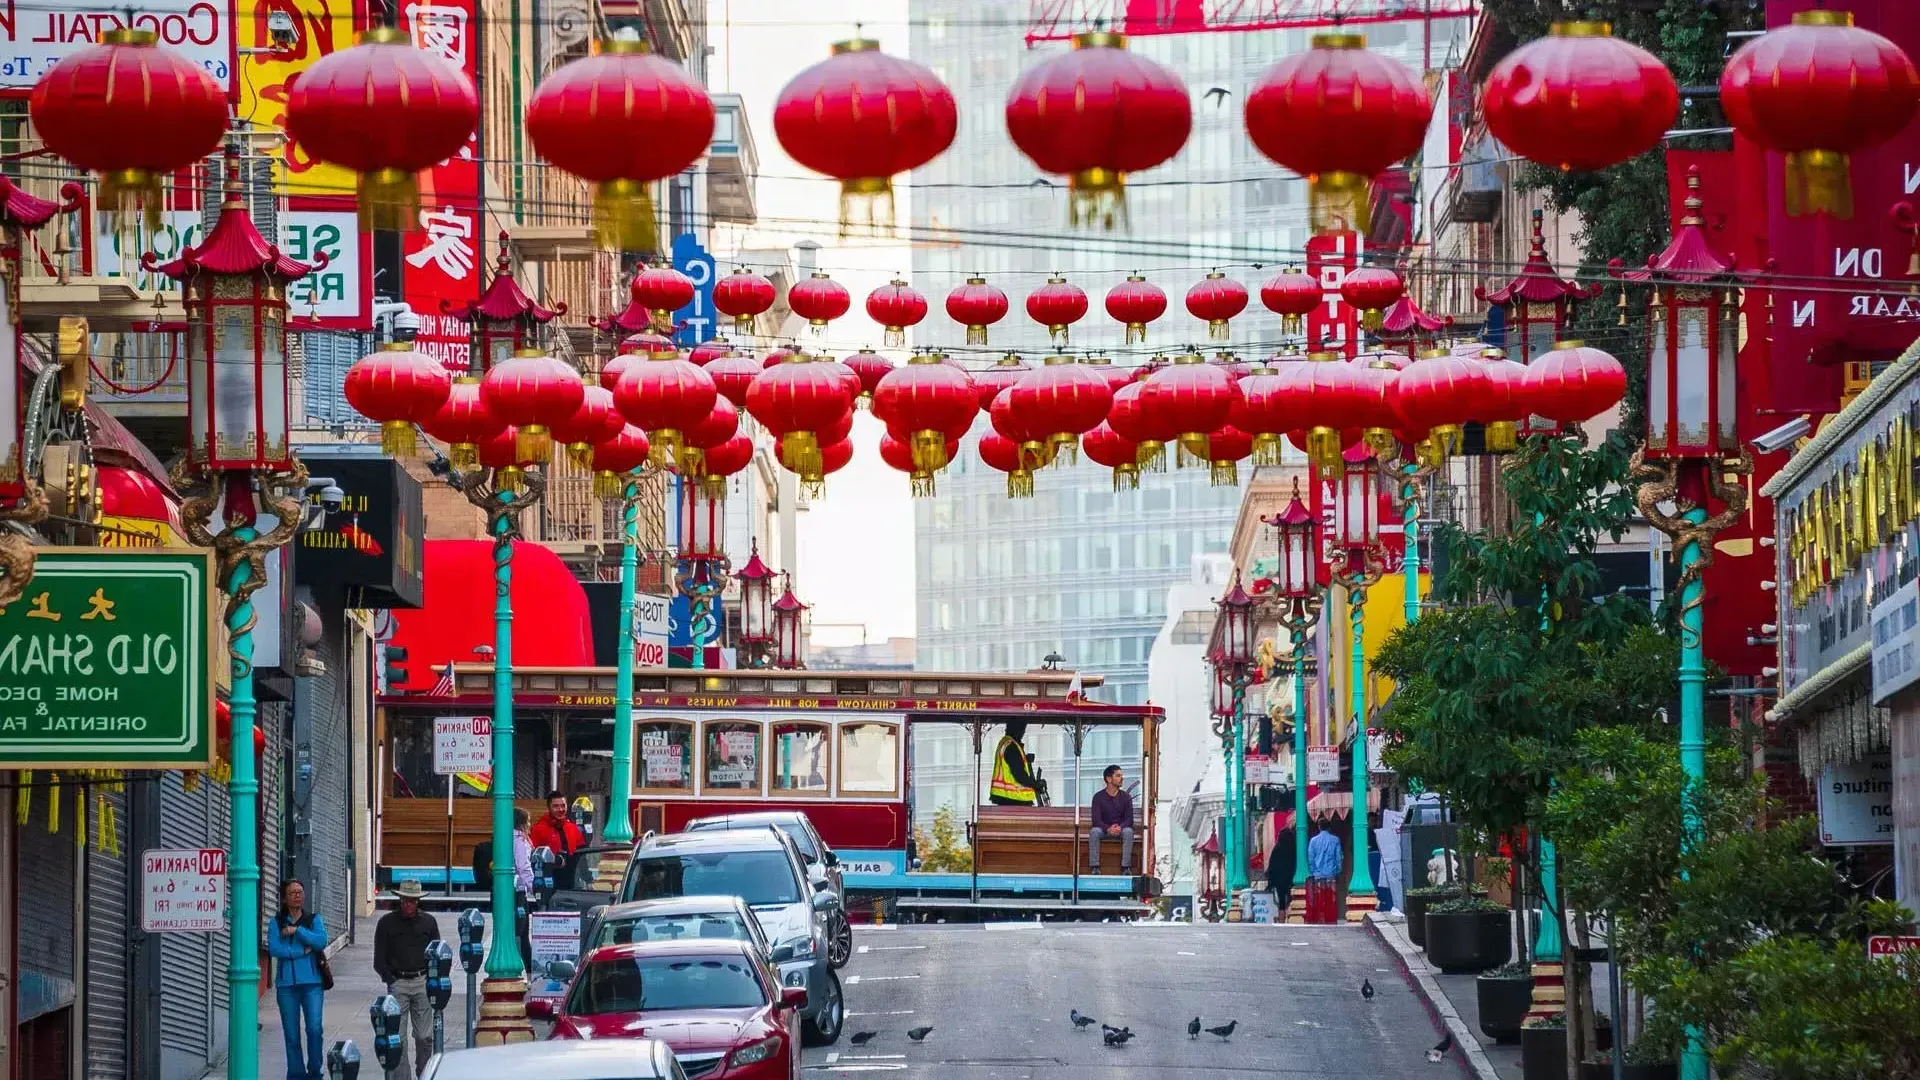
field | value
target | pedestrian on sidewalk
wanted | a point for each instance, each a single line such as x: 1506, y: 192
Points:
x: 1324, y: 859
x: 298, y: 943
x: 523, y: 884
x: 557, y: 832
x: 400, y: 959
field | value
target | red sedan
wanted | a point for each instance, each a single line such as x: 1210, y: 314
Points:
x: 712, y: 1000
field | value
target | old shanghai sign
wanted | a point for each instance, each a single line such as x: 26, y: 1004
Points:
x: 106, y: 662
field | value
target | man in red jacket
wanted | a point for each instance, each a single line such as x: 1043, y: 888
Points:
x: 559, y: 834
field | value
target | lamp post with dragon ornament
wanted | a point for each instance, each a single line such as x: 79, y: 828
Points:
x: 1297, y: 589
x: 1356, y: 563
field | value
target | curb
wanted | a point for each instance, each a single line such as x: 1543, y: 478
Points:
x: 1416, y: 970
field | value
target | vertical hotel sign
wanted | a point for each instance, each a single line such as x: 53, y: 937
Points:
x: 442, y: 256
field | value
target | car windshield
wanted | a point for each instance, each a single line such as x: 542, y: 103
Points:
x: 758, y: 877
x: 720, y: 924
x: 627, y: 984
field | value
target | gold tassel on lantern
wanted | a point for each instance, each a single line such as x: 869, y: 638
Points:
x: 623, y: 216
x: 1267, y: 449
x: 609, y: 485
x: 396, y: 438
x: 1446, y: 440
x: 1217, y: 329
x: 580, y: 454
x: 1503, y: 436
x: 509, y: 478
x: 1126, y: 478
x: 1224, y: 473
x: 1337, y: 201
x: 867, y: 201
x: 463, y: 455
x: 664, y: 447
x: 1292, y: 324
x: 1380, y: 440
x: 1323, y: 448
x: 53, y: 802
x: 532, y: 444
x: 107, y: 831
x: 1819, y: 182
x: 1194, y: 449
x: 1020, y: 484
x: 929, y: 450
x: 1097, y: 196
x: 693, y: 462
x: 800, y: 451
x: 1136, y: 332
x: 389, y: 200
x: 1151, y: 456
x: 922, y: 484
x: 1035, y: 454
x: 1063, y: 449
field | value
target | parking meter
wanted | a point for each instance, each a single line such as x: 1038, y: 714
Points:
x: 385, y: 1014
x: 439, y: 989
x: 473, y: 932
x: 544, y: 861
x: 582, y: 815
x: 343, y: 1061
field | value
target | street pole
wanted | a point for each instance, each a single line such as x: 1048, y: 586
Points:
x: 1360, y: 893
x: 1693, y: 739
x: 1410, y: 529
x: 613, y: 864
x: 1237, y: 790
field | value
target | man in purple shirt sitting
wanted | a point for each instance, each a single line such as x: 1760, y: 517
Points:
x: 1112, y: 817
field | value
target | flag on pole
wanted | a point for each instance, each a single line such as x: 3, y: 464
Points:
x: 443, y: 687
x: 1075, y: 691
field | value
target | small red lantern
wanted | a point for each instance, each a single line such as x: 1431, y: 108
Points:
x: 776, y: 357
x: 708, y: 351
x: 1133, y: 421
x: 999, y: 452
x: 1818, y: 90
x: 1006, y: 371
x: 664, y: 396
x: 1292, y: 295
x: 662, y: 290
x: 796, y: 401
x: 1506, y: 403
x: 1580, y: 98
x: 976, y: 305
x: 1031, y: 441
x: 1215, y: 300
x: 463, y: 422
x: 1338, y: 115
x: 819, y: 300
x: 1372, y: 290
x: 1575, y: 383
x: 743, y: 295
x: 1056, y: 306
x: 732, y: 374
x: 533, y: 392
x: 1136, y: 302
x: 897, y: 452
x: 614, y: 461
x: 1104, y: 366
x: 896, y: 306
x: 1106, y: 447
x: 929, y: 403
x: 595, y: 421
x: 1265, y: 411
x: 130, y: 111
x: 648, y: 343
x: 861, y: 117
x: 398, y: 388
x: 1192, y: 398
x: 1439, y: 393
x: 869, y: 367
x: 722, y: 424
x: 621, y: 120
x: 1226, y: 448
x: 1062, y: 398
x: 1096, y: 114
x: 501, y: 453
x: 727, y: 459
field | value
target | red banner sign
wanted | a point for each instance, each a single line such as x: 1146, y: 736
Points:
x: 442, y: 257
x: 1334, y: 325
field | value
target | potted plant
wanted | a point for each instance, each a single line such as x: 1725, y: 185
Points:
x: 1642, y: 1061
x: 1543, y: 1048
x: 1505, y: 994
x: 1417, y: 902
x: 1468, y: 933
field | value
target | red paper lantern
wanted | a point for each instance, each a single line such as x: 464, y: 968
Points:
x: 1266, y: 412
x: 1818, y: 90
x: 533, y: 392
x: 1094, y: 115
x: 1580, y: 98
x: 1574, y: 383
x: 869, y: 367
x: 1439, y: 392
x: 743, y: 295
x: 662, y: 290
x: 1507, y: 402
x: 819, y: 300
x: 1006, y: 371
x: 897, y: 452
x: 1215, y: 300
x: 732, y: 374
x: 1031, y: 439
x: 1375, y: 374
x: 999, y: 452
x: 708, y: 351
x: 130, y: 111
x: 398, y: 388
x: 620, y: 120
x: 1226, y: 448
x: 776, y: 357
x: 649, y: 344
x: 664, y: 396
x: 615, y: 460
x: 727, y: 459
x: 463, y: 422
x: 1108, y: 448
x: 1372, y: 290
x: 796, y: 401
x: 1104, y: 367
x: 721, y: 424
x: 1292, y: 295
x: 501, y: 453
x: 1130, y: 419
x: 813, y: 473
x: 1136, y: 302
x: 595, y: 421
x: 928, y: 402
x: 846, y: 375
x: 1056, y: 306
x: 861, y: 117
x: 976, y: 305
x: 896, y: 306
x: 1332, y: 402
x: 1063, y: 399
x: 1338, y: 115
x: 1192, y: 398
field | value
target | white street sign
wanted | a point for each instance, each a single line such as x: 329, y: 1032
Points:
x: 462, y: 744
x: 183, y: 890
x: 1323, y: 764
x: 37, y: 36
x: 553, y: 935
x: 650, y: 623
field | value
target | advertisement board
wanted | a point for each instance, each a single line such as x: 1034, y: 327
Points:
x: 1856, y: 801
x: 652, y: 623
x: 696, y: 322
x: 321, y: 28
x: 372, y: 548
x: 1335, y: 324
x: 36, y: 36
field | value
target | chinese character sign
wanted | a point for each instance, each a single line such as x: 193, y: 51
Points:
x: 442, y: 257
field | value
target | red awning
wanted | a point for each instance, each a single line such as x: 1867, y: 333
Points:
x: 130, y: 493
x: 551, y: 627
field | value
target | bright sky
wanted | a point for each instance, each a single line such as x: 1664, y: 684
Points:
x: 856, y: 545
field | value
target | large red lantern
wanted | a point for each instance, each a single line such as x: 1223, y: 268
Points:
x: 869, y: 367
x: 1192, y: 398
x: 1338, y: 115
x: 533, y: 392
x: 897, y: 452
x: 1334, y: 401
x: 1000, y: 452
x: 1130, y: 419
x: 1439, y: 393
x: 732, y: 374
x: 130, y: 111
x: 1818, y: 90
x: 1031, y: 440
x: 1056, y: 306
x: 1215, y: 300
x: 1292, y: 295
x: 621, y: 120
x: 595, y: 421
x: 727, y: 459
x: 664, y: 396
x: 776, y: 357
x: 1506, y: 402
x: 861, y: 117
x: 648, y: 343
x: 1580, y: 98
x: 463, y: 422
x: 1575, y: 383
x: 1372, y: 290
x: 614, y: 461
x: 976, y: 305
x: 721, y: 424
x: 1266, y: 412
x: 819, y: 300
x: 1134, y: 303
x: 896, y: 306
x: 743, y: 295
x: 1106, y: 447
x: 1094, y: 115
x: 386, y: 110
x: 662, y: 290
x: 501, y: 453
x: 397, y: 388
x: 797, y: 401
x: 928, y: 402
x: 1062, y: 398
x: 1226, y: 448
x: 1375, y: 374
x: 1005, y: 372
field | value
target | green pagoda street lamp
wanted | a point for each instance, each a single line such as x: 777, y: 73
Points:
x: 1234, y: 659
x: 1297, y: 589
x: 1356, y: 563
x: 618, y: 465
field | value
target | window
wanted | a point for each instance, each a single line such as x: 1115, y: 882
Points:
x: 869, y: 759
x: 706, y: 924
x: 800, y: 758
x: 666, y: 755
x: 733, y: 756
x: 1193, y: 628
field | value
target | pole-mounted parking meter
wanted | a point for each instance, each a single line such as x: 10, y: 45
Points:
x: 385, y: 1014
x: 343, y: 1061
x: 439, y: 988
x: 582, y: 815
x: 473, y: 932
x: 544, y: 862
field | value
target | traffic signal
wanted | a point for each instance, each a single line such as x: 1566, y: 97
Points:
x: 396, y: 670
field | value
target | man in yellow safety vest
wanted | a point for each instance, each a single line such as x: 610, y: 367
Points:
x: 1013, y: 781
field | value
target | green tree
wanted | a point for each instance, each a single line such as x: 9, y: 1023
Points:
x: 943, y: 848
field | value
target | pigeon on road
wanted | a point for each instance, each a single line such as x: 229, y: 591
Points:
x: 1116, y: 1036
x: 861, y: 1038
x: 1193, y: 1028
x: 1366, y: 989
x: 1440, y: 1048
x: 920, y: 1033
x: 1080, y: 1022
x: 1225, y: 1031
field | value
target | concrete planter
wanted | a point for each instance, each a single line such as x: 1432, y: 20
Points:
x: 1503, y: 1005
x: 1468, y: 940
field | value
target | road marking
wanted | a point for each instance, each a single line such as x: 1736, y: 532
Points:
x: 890, y: 1012
x: 891, y: 948
x: 1014, y: 926
x: 1183, y: 952
x: 859, y: 1068
x: 855, y: 980
x: 833, y: 1057
x: 871, y: 1057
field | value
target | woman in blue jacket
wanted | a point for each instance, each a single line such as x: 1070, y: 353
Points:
x: 297, y: 942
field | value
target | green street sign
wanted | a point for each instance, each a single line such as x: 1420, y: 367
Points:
x: 107, y: 661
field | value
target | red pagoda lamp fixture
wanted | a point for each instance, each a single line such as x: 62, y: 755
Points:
x: 1338, y: 115
x: 1408, y: 325
x: 1818, y: 90
x: 819, y: 300
x: 788, y: 616
x: 756, y: 602
x: 976, y: 305
x: 1220, y: 699
x: 236, y: 300
x: 1095, y: 114
x: 1134, y: 303
x: 1537, y: 302
x: 1215, y: 300
x: 703, y: 524
x: 1292, y: 295
x: 896, y: 306
x: 1693, y: 333
x: 863, y: 117
x: 1296, y: 574
x: 742, y: 296
x: 621, y: 119
x: 1580, y: 98
x: 1356, y: 502
x: 1234, y: 630
x: 1057, y: 305
x: 397, y: 388
x: 505, y: 320
x: 386, y: 110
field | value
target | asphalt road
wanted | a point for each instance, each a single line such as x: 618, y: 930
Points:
x: 998, y: 997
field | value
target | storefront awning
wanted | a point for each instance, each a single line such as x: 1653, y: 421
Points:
x: 1328, y: 805
x: 551, y: 627
x: 135, y: 511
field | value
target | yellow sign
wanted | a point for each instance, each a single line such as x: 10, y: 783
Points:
x: 1860, y: 506
x: 322, y: 28
x: 137, y: 532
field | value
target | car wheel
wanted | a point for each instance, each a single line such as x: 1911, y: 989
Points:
x: 823, y: 1027
x: 840, y: 943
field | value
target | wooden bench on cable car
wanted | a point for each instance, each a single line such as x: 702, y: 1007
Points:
x: 1041, y: 839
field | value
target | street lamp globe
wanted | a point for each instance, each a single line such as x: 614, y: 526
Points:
x: 787, y: 617
x: 1356, y: 503
x: 1236, y: 627
x: 756, y: 601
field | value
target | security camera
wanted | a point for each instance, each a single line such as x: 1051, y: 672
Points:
x: 332, y: 498
x: 1783, y: 436
x: 284, y: 31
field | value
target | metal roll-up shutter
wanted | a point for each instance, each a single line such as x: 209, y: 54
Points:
x: 192, y: 1028
x: 272, y: 816
x: 47, y: 869
x: 330, y: 830
x: 110, y: 876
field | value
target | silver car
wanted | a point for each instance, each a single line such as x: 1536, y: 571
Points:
x: 611, y: 1059
x: 762, y: 867
x: 822, y: 865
